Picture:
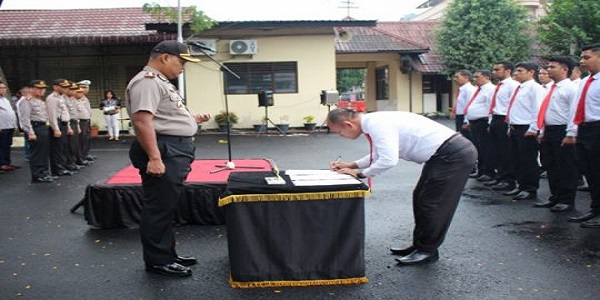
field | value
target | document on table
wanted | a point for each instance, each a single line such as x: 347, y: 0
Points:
x: 319, y: 178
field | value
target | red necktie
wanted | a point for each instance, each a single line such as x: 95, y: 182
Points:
x: 512, y: 101
x: 544, y: 108
x: 370, y: 155
x: 494, y: 98
x: 580, y: 113
x: 471, y: 101
x: 454, y: 107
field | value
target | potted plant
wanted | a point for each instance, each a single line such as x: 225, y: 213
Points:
x: 283, y: 125
x: 222, y: 117
x: 262, y: 125
x: 94, y: 130
x: 309, y: 122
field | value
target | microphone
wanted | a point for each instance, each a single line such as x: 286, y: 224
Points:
x: 202, y: 46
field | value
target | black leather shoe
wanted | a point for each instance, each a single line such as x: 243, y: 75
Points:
x: 484, y: 178
x: 513, y: 192
x: 491, y: 183
x: 66, y: 173
x: 582, y: 218
x: 591, y: 223
x: 403, y: 251
x: 42, y: 179
x: 172, y: 269
x: 52, y: 177
x: 543, y: 203
x: 186, y: 260
x: 560, y: 207
x: 418, y: 257
x: 73, y: 167
x: 524, y: 195
x: 474, y: 175
x: 503, y: 186
x: 583, y: 188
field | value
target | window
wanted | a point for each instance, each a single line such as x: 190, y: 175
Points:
x: 382, y: 83
x: 279, y: 77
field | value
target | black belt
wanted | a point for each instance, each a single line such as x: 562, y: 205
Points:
x: 590, y: 124
x: 484, y: 119
x: 518, y: 126
x: 84, y: 119
x: 554, y: 127
x: 501, y: 117
x: 38, y: 123
x: 174, y: 138
x: 63, y: 122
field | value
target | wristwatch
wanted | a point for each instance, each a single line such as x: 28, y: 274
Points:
x: 360, y: 175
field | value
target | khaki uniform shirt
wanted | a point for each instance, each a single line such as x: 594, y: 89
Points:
x: 29, y: 111
x: 151, y: 91
x: 57, y: 109
x: 84, y: 109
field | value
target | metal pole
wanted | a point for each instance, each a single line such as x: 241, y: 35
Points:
x: 180, y: 78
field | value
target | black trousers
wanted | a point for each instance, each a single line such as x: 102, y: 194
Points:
x: 84, y: 138
x: 524, y: 158
x: 59, y: 149
x: 588, y: 158
x: 39, y: 156
x: 438, y: 191
x: 481, y: 139
x: 6, y: 137
x: 458, y: 123
x: 161, y: 195
x: 499, y: 149
x: 559, y: 162
x: 73, y: 145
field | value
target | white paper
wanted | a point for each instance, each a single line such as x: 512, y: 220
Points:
x: 319, y: 178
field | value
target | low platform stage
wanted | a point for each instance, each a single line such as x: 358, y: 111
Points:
x: 116, y: 202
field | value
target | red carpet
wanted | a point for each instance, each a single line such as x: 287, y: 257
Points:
x: 201, y: 171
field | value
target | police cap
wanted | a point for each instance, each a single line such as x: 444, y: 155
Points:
x: 174, y: 48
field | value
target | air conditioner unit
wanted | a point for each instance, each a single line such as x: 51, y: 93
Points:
x: 212, y: 44
x: 243, y: 47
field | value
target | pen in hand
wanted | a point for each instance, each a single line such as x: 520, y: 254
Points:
x: 333, y: 165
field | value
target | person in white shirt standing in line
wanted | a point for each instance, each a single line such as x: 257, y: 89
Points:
x: 8, y: 123
x: 463, y: 95
x: 499, y: 150
x: 556, y: 158
x: 522, y: 115
x: 448, y: 158
x: 586, y: 122
x: 477, y: 113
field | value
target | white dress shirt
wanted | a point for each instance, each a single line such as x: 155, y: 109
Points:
x: 465, y: 92
x: 548, y: 85
x: 592, y: 103
x: 8, y: 118
x: 559, y: 107
x: 503, y: 96
x: 480, y: 107
x: 399, y: 134
x: 526, y: 106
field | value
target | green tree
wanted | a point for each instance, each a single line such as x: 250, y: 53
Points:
x: 476, y: 33
x: 570, y: 24
x: 197, y: 19
x: 349, y: 78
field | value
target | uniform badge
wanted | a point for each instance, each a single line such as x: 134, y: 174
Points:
x: 179, y: 104
x: 162, y: 77
x: 149, y: 75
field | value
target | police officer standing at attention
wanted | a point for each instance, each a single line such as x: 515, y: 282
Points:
x: 162, y: 152
x: 33, y: 119
x: 84, y: 124
x: 58, y: 116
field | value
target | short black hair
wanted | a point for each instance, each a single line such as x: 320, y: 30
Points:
x: 466, y: 73
x: 485, y: 73
x: 507, y: 64
x: 592, y: 47
x: 565, y: 61
x: 340, y: 114
x: 527, y: 65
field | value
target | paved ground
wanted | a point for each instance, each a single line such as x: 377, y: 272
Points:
x: 496, y: 248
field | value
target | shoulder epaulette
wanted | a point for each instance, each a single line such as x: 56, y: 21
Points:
x: 150, y: 75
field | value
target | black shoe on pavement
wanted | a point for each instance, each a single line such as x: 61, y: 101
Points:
x: 582, y: 218
x: 403, y: 251
x: 544, y: 203
x: 186, y: 260
x: 513, y: 192
x: 560, y: 207
x: 418, y: 257
x: 172, y: 269
x: 503, y: 186
x: 524, y: 195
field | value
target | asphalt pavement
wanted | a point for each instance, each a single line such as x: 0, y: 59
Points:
x: 496, y: 248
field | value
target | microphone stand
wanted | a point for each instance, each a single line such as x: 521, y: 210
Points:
x: 223, y: 68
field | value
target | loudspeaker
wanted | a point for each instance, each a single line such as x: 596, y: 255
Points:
x: 265, y: 98
x: 329, y: 97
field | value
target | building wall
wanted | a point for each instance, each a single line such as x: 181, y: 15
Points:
x: 315, y: 56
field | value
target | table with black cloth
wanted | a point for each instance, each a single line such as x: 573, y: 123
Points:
x: 286, y: 235
x: 117, y: 202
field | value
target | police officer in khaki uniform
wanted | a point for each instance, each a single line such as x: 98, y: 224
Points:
x: 84, y: 124
x: 73, y: 139
x: 33, y: 118
x: 58, y: 117
x: 162, y: 152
